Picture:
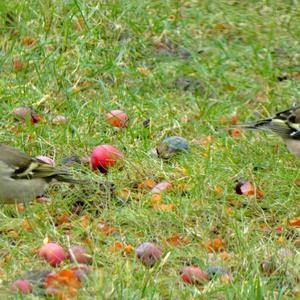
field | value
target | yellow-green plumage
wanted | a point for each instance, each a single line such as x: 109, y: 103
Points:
x: 286, y: 124
x: 23, y: 178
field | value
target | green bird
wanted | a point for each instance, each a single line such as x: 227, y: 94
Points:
x: 23, y: 178
x: 286, y: 124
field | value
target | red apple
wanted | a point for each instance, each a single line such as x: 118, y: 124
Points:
x: 80, y: 255
x: 21, y: 285
x: 53, y: 253
x: 193, y: 275
x: 117, y: 118
x: 148, y: 254
x: 105, y: 156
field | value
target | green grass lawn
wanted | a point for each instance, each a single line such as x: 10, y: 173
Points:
x: 188, y: 67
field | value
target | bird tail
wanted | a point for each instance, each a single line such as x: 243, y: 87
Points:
x: 64, y: 178
x: 261, y: 125
x: 47, y: 172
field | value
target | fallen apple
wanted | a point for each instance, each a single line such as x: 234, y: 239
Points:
x: 117, y: 118
x: 21, y: 285
x: 193, y: 275
x: 105, y: 156
x: 80, y: 255
x: 148, y: 254
x: 53, y: 253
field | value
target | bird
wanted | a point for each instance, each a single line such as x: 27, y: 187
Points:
x: 285, y: 124
x: 24, y: 178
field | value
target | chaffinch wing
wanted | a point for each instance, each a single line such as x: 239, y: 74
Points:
x: 286, y: 124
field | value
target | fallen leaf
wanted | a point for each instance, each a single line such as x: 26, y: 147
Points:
x: 28, y: 41
x: 281, y: 240
x: 229, y: 211
x: 26, y: 226
x: 106, y: 228
x: 146, y: 184
x: 85, y: 220
x: 116, y: 247
x: 63, y: 284
x: 164, y: 207
x: 205, y: 141
x: 80, y: 24
x: 216, y: 245
x: 221, y: 27
x: 219, y: 190
x: 124, y: 194
x: 128, y: 249
x: 144, y: 71
x: 176, y: 240
x: 183, y: 187
x: 226, y: 256
x: 18, y: 65
x: 60, y: 220
x: 235, y: 133
x: 226, y: 278
x: 156, y: 199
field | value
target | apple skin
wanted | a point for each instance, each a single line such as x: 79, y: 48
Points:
x: 21, y: 285
x: 105, y: 156
x: 80, y: 255
x: 193, y: 275
x: 148, y: 254
x: 53, y: 253
x: 117, y: 118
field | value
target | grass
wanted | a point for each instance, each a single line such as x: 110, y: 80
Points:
x: 184, y: 65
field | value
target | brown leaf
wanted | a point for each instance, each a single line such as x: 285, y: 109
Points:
x: 235, y: 133
x: 116, y: 247
x: 219, y: 190
x: 28, y: 41
x: 226, y: 256
x: 106, y: 228
x: 221, y: 27
x: 216, y: 245
x: 18, y: 65
x: 60, y: 220
x: 63, y: 284
x: 204, y: 141
x: 85, y: 220
x: 26, y: 226
x: 146, y: 184
x: 156, y: 199
x: 176, y: 240
x: 165, y: 207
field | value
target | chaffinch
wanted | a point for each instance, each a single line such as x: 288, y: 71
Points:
x: 286, y: 124
x: 23, y: 178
